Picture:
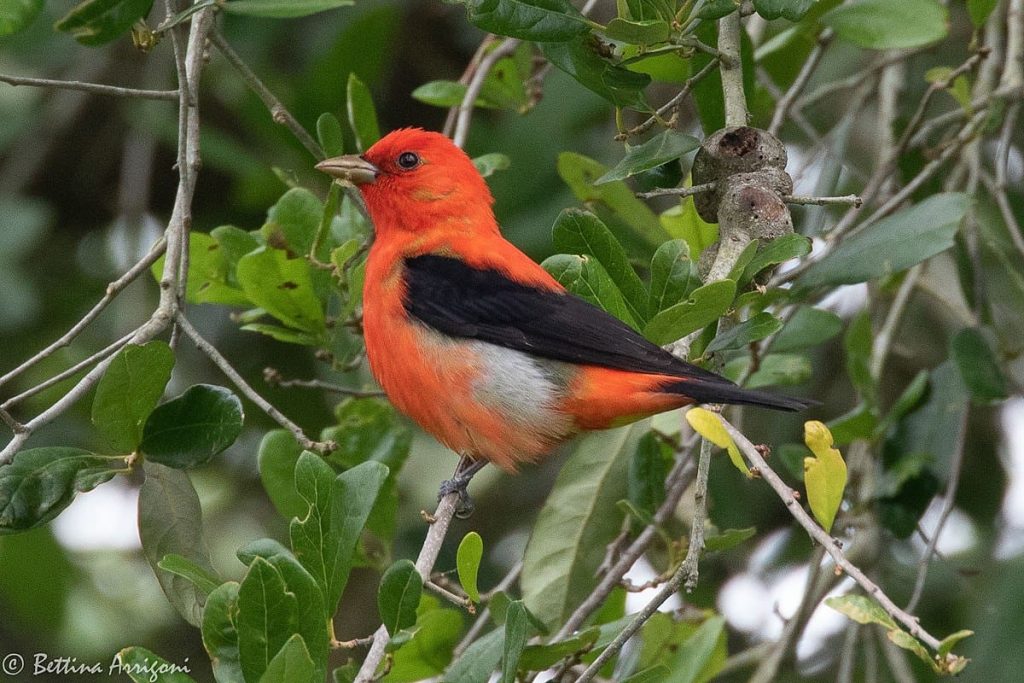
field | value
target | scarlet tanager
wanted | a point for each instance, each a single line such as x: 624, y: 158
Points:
x: 479, y: 344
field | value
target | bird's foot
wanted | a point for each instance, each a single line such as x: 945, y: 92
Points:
x: 458, y: 484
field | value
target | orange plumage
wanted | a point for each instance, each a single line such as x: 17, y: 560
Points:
x: 475, y: 341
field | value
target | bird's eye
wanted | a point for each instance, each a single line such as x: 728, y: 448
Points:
x: 408, y: 160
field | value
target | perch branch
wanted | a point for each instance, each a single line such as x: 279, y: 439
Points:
x: 94, y: 88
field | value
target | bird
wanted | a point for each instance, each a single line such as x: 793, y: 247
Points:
x: 475, y: 341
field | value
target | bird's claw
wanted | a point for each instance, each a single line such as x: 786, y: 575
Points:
x: 458, y: 484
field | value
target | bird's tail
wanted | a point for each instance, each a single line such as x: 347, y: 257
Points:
x: 704, y: 391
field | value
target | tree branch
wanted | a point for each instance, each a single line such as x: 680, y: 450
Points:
x: 819, y: 535
x: 211, y: 352
x: 278, y: 112
x: 94, y: 88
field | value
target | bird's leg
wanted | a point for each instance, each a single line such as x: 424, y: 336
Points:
x: 459, y: 482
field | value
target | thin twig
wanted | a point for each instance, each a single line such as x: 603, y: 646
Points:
x: 785, y: 103
x: 689, y: 571
x: 883, y: 341
x: 474, y: 86
x: 956, y: 462
x: 113, y: 289
x: 676, y: 483
x: 677, y: 191
x: 672, y: 104
x: 853, y: 199
x: 451, y: 597
x: 484, y: 617
x: 431, y: 548
x: 225, y: 366
x: 278, y: 112
x: 94, y: 88
x: 273, y: 377
x: 109, y: 350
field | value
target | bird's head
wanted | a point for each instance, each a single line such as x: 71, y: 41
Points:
x: 414, y: 180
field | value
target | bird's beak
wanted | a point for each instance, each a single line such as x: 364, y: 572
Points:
x: 350, y: 167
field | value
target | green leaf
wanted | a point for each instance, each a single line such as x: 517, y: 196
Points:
x: 234, y: 244
x: 278, y: 454
x: 330, y: 135
x: 673, y: 275
x: 142, y: 666
x: 467, y: 562
x: 312, y: 616
x: 220, y: 637
x: 618, y: 85
x: 210, y: 277
x: 949, y: 642
x: 292, y: 222
x: 781, y: 368
x: 581, y: 232
x: 892, y: 244
x: 267, y: 617
x: 682, y: 221
x: 516, y: 633
x: 807, y: 328
x: 17, y: 14
x: 713, y: 10
x: 447, y: 94
x: 292, y: 663
x: 979, y: 11
x: 479, y: 660
x: 644, y: 32
x: 824, y: 474
x: 399, y: 595
x: 747, y: 332
x: 857, y: 343
x: 695, y: 659
x: 95, y: 22
x: 580, y: 173
x: 654, y: 674
x: 129, y: 390
x: 362, y: 115
x: 709, y: 425
x: 489, y: 164
x: 189, y: 430
x: 794, y: 10
x: 861, y: 609
x: 909, y: 642
x: 585, y: 277
x: 540, y: 657
x: 885, y: 25
x: 666, y: 146
x: 282, y: 9
x: 537, y: 20
x: 576, y: 524
x: 703, y: 306
x: 283, y: 334
x: 776, y: 251
x: 170, y: 524
x: 40, y: 482
x: 978, y: 365
x: 202, y: 578
x: 283, y: 287
x: 429, y: 650
x: 730, y: 538
x: 646, y: 474
x: 325, y: 539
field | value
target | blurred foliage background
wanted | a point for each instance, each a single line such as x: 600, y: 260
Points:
x: 86, y: 185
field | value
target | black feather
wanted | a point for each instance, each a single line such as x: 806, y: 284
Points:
x: 461, y: 301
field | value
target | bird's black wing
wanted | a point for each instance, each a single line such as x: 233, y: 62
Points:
x: 461, y: 301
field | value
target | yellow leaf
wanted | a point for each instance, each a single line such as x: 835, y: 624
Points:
x: 824, y: 474
x: 709, y: 425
